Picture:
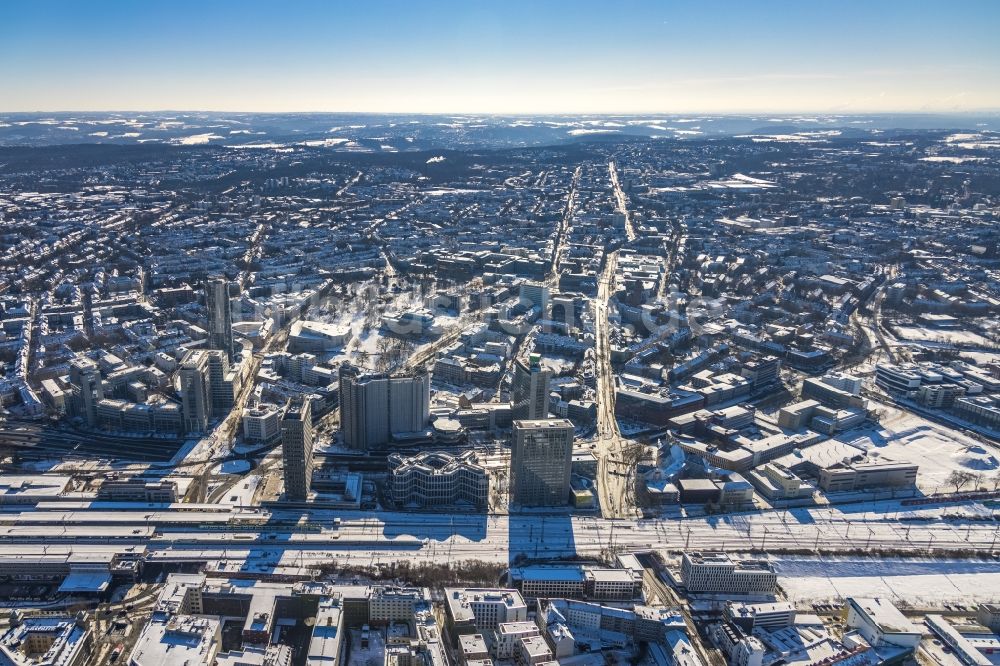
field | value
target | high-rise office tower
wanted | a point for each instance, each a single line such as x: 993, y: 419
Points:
x: 541, y: 461
x: 409, y: 403
x: 530, y: 389
x: 364, y: 408
x: 222, y: 382
x: 373, y: 407
x: 88, y: 388
x: 196, y: 390
x: 297, y: 449
x: 208, y: 387
x: 220, y: 315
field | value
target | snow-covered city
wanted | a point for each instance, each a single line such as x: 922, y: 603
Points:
x: 298, y: 384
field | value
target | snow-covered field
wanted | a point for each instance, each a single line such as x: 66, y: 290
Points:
x: 937, y: 449
x: 915, y: 582
x: 955, y: 337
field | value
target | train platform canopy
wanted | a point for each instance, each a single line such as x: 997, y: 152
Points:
x: 31, y: 488
x: 86, y: 582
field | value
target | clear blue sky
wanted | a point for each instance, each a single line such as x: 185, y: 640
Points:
x: 504, y: 56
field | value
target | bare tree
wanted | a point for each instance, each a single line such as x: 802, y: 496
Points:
x: 959, y: 478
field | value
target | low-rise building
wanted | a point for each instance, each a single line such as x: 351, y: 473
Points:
x: 262, y: 423
x: 509, y: 634
x: 867, y: 473
x: 47, y: 641
x: 718, y: 572
x: 475, y: 610
x: 897, y: 379
x: 138, y: 490
x: 881, y: 623
x: 572, y: 581
x: 747, y: 616
x: 315, y: 336
x: 532, y: 650
x: 472, y: 647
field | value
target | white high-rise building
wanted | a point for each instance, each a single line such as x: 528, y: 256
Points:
x: 534, y: 294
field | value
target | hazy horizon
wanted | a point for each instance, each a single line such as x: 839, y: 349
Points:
x: 790, y: 113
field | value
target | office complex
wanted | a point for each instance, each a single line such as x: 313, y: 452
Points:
x: 881, y: 623
x: 437, y: 478
x: 196, y: 391
x: 473, y: 610
x: 186, y: 627
x: 374, y: 406
x: 530, y: 389
x: 541, y: 462
x: 208, y: 387
x: 297, y: 449
x: 718, y: 572
x: 47, y: 641
x: 576, y: 581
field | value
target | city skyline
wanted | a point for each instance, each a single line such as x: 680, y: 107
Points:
x: 343, y: 333
x: 388, y: 57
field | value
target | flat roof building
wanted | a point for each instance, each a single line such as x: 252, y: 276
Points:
x: 881, y: 623
x: 436, y: 478
x: 541, y: 462
x: 718, y: 572
x: 297, y: 449
x: 46, y: 641
x: 474, y: 610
